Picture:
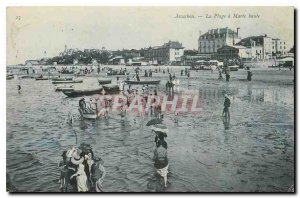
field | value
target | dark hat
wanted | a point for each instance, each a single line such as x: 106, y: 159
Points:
x: 77, y: 160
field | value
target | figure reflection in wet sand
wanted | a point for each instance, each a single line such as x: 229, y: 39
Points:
x: 226, y: 122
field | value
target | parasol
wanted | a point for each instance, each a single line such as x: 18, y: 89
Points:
x: 154, y: 121
x: 160, y: 128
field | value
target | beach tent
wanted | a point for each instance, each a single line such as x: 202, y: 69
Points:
x: 287, y: 61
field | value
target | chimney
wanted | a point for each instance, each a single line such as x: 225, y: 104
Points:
x: 237, y: 32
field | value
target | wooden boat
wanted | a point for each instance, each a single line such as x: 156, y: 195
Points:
x: 66, y: 81
x: 26, y: 76
x: 62, y: 79
x: 146, y: 82
x: 104, y: 82
x: 41, y: 78
x: 115, y: 73
x: 111, y: 89
x: 9, y: 77
x: 86, y: 92
x: 69, y: 88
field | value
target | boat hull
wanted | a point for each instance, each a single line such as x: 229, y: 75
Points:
x: 111, y: 89
x: 104, y: 82
x: 67, y: 81
x: 149, y: 82
x: 64, y: 89
x: 77, y: 93
x: 41, y: 78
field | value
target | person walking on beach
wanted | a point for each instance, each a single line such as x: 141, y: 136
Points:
x: 98, y: 69
x: 249, y: 75
x: 19, y: 88
x: 227, y: 76
x: 226, y: 106
x: 220, y: 75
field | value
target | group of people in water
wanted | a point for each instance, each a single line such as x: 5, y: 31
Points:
x: 81, y: 171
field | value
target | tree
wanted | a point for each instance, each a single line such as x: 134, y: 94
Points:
x: 190, y: 52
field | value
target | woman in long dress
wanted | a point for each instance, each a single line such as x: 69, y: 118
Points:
x: 81, y: 179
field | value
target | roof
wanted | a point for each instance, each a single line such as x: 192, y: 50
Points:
x: 173, y: 45
x: 221, y: 31
x: 227, y: 46
x: 170, y: 44
x: 247, y: 41
x: 286, y: 59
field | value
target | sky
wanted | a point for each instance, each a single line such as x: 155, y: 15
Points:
x: 32, y: 31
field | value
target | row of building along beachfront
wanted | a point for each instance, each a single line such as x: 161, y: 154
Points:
x: 216, y: 44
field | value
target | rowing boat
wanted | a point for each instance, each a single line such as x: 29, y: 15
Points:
x: 70, y: 88
x: 146, y: 82
x: 104, y: 82
x: 9, y: 77
x: 41, y: 78
x: 86, y: 92
x: 111, y: 89
x: 62, y: 79
x: 66, y: 81
x: 26, y: 76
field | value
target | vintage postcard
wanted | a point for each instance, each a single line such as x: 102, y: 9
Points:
x: 150, y: 99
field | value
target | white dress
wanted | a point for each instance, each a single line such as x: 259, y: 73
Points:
x: 81, y: 179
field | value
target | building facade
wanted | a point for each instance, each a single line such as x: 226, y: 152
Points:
x: 279, y: 47
x: 261, y: 46
x: 165, y: 54
x: 214, y: 39
x: 233, y: 52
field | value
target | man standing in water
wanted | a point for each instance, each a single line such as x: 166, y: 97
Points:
x: 226, y: 106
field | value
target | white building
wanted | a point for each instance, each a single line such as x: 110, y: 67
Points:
x: 214, y: 39
x: 165, y: 54
x: 279, y: 47
x: 261, y: 46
